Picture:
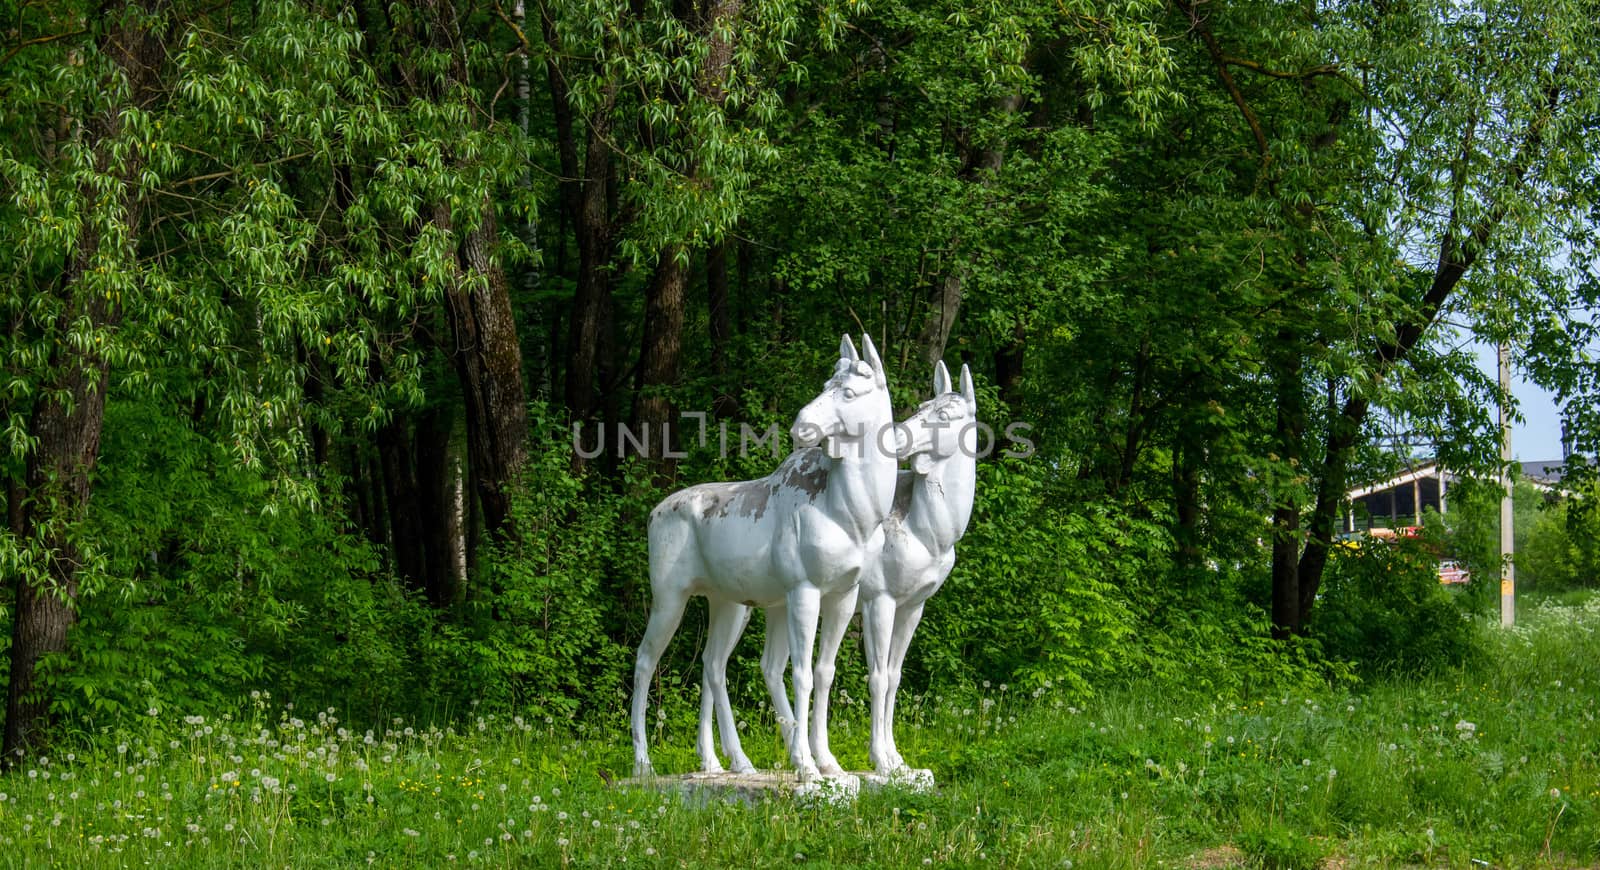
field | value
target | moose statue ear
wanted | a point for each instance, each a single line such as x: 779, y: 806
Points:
x: 967, y: 392
x: 941, y: 379
x: 871, y: 356
x: 847, y: 349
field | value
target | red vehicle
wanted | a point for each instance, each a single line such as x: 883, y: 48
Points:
x: 1451, y: 572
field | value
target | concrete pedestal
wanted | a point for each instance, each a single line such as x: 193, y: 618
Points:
x: 764, y: 785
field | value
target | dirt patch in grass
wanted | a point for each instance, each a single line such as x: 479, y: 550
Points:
x: 1216, y: 858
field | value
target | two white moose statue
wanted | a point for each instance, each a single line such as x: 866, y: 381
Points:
x: 836, y: 525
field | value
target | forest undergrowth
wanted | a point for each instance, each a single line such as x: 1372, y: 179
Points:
x: 1493, y: 762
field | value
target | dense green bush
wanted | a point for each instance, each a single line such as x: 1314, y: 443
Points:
x: 209, y: 583
x: 1035, y: 596
x: 1560, y: 548
x: 534, y: 635
x: 1086, y: 595
x: 1555, y: 536
x: 1382, y: 607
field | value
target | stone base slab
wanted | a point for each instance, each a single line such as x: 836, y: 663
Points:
x: 762, y: 785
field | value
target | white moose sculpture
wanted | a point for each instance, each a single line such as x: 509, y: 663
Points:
x: 932, y: 506
x: 798, y: 538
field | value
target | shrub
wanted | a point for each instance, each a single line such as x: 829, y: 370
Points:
x: 206, y: 583
x: 1382, y: 607
x: 1276, y: 847
x: 534, y: 635
x: 1035, y: 596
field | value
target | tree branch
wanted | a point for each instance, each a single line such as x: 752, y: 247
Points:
x: 39, y: 40
x: 1221, y: 60
x: 521, y: 37
x: 1456, y: 255
x: 1310, y: 72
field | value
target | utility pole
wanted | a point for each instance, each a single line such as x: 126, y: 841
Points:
x: 1508, y: 569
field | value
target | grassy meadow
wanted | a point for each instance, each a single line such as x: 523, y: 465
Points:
x: 1496, y: 764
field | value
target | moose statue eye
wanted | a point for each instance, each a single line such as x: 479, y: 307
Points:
x: 849, y: 394
x: 944, y: 416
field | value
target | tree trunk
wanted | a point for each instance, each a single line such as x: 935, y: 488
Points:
x: 944, y: 303
x: 489, y: 365
x: 67, y: 421
x: 1187, y: 456
x: 440, y: 535
x: 720, y: 328
x: 744, y: 267
x: 474, y: 529
x: 312, y: 388
x: 1008, y: 367
x: 358, y: 494
x: 659, y: 356
x: 593, y: 297
x: 405, y: 511
x: 944, y: 298
x: 66, y: 426
x: 1287, y: 615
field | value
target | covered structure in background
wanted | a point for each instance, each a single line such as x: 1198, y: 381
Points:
x: 1399, y: 501
x: 1549, y: 474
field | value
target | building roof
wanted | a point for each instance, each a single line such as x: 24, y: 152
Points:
x: 1428, y: 469
x: 1545, y: 474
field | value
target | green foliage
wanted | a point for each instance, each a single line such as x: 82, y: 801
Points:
x: 1035, y: 597
x: 535, y: 637
x: 1550, y: 548
x: 1473, y: 525
x: 1277, y: 847
x: 1224, y: 648
x: 1560, y: 546
x: 1383, y: 608
x: 1084, y: 597
x: 1484, y: 763
x: 1554, y: 535
x: 217, y: 585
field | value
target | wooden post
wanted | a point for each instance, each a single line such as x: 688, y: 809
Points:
x: 1508, y: 571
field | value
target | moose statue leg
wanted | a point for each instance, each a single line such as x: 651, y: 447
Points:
x: 728, y: 620
x: 666, y: 611
x: 836, y: 612
x: 906, y: 620
x: 805, y: 606
x: 774, y: 664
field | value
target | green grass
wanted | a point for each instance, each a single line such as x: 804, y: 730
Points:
x: 1498, y: 764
